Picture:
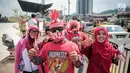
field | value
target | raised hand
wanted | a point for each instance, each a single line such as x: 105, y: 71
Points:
x: 121, y: 57
x: 87, y: 41
x: 32, y: 52
x: 74, y: 55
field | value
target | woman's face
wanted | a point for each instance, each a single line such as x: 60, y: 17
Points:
x: 33, y: 33
x: 101, y: 36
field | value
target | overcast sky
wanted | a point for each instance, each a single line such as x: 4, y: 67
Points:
x: 6, y: 6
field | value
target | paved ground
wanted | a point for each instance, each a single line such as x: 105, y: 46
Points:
x: 6, y: 66
x: 7, y: 28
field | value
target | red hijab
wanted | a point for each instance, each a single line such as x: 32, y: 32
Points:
x: 104, y: 49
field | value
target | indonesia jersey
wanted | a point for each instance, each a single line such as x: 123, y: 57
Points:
x: 57, y: 57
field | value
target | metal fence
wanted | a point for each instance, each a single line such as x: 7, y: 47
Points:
x: 122, y: 66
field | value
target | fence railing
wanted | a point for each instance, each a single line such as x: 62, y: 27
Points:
x: 122, y: 66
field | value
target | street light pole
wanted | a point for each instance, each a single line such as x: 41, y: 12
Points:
x: 68, y: 7
x: 62, y: 10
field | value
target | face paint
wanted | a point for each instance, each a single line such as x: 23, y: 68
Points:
x: 57, y: 36
x: 74, y: 29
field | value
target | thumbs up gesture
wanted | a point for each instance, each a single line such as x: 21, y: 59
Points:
x: 74, y: 55
x: 31, y: 53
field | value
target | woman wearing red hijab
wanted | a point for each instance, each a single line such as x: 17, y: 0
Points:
x: 102, y: 52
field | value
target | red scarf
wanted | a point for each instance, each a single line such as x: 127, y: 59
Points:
x: 104, y: 49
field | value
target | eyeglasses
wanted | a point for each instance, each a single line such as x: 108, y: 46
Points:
x: 33, y: 31
x: 58, y: 28
x: 72, y: 27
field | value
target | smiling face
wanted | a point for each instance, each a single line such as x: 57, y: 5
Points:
x: 33, y: 33
x: 101, y: 36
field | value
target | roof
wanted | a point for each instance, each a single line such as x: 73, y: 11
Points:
x: 33, y: 7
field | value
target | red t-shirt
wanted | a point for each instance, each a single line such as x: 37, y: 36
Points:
x: 57, y: 57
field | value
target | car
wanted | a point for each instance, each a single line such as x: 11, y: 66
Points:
x: 116, y: 32
x: 88, y: 26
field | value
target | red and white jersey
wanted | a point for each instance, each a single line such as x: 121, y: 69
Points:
x: 57, y: 57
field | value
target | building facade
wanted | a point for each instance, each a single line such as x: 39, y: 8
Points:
x: 84, y: 7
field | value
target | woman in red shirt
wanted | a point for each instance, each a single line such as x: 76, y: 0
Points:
x: 100, y: 53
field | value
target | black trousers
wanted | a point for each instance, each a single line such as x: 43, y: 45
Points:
x: 36, y: 71
x: 26, y: 72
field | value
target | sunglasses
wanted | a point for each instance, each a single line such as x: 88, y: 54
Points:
x: 33, y: 31
x: 55, y: 29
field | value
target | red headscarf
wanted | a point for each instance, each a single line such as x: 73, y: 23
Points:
x: 105, y: 49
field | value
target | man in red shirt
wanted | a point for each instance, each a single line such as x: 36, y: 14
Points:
x: 78, y: 37
x: 60, y: 55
